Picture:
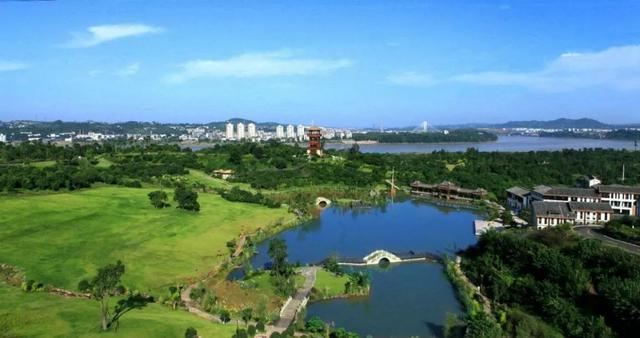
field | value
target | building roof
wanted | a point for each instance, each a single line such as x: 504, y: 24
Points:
x: 552, y: 209
x: 578, y: 192
x: 541, y: 189
x: 518, y: 191
x: 618, y: 188
x: 584, y: 206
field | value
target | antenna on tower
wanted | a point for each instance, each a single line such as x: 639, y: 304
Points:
x: 622, y: 172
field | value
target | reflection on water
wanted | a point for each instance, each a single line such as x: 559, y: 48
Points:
x: 406, y: 299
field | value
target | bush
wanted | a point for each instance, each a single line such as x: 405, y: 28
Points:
x: 186, y: 198
x: 191, y: 333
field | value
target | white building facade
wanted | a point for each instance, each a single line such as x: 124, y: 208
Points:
x: 240, y: 130
x: 251, y: 130
x: 3, y: 138
x: 301, y: 134
x: 291, y: 133
x: 280, y: 132
x: 229, y: 132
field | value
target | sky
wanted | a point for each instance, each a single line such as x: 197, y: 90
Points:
x: 337, y: 63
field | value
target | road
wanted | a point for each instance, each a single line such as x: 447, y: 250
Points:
x: 588, y: 232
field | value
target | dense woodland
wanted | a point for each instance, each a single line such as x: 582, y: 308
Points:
x: 580, y: 287
x: 458, y: 135
x: 274, y: 165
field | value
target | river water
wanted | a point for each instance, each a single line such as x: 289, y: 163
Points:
x: 503, y: 144
x: 410, y: 299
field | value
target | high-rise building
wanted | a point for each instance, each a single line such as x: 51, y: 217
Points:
x: 229, y: 132
x: 300, y: 132
x: 251, y: 130
x: 279, y: 131
x: 240, y: 130
x: 3, y: 138
x: 291, y: 133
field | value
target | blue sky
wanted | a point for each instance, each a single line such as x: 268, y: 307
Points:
x: 346, y: 63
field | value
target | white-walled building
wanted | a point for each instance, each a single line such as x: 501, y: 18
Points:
x: 229, y: 133
x: 3, y: 138
x: 280, y: 132
x: 623, y: 199
x: 291, y: 133
x: 301, y: 134
x: 251, y: 130
x: 546, y: 214
x: 518, y: 198
x: 240, y: 130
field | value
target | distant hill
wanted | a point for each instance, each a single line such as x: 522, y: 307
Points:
x: 562, y: 123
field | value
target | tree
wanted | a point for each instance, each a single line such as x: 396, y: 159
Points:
x: 247, y: 315
x: 158, y: 199
x: 507, y: 217
x: 191, y: 333
x: 225, y: 316
x: 105, y: 284
x: 186, y: 198
x: 278, y: 253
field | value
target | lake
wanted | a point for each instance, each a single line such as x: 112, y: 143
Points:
x: 503, y: 144
x: 410, y: 299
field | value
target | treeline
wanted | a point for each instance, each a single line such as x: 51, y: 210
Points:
x: 580, y: 287
x: 238, y: 195
x: 618, y: 134
x: 458, y: 135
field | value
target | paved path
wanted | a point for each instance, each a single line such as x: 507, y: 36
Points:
x: 588, y: 231
x: 291, y: 308
x: 486, y: 304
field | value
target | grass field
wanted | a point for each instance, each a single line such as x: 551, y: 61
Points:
x: 328, y: 285
x: 44, y: 315
x: 62, y: 238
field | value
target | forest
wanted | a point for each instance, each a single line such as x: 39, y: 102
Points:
x: 579, y: 286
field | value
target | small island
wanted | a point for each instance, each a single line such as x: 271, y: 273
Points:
x: 458, y: 135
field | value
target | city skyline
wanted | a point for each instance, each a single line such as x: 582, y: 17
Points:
x: 333, y: 63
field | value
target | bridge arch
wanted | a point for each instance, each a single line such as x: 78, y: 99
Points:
x: 380, y: 256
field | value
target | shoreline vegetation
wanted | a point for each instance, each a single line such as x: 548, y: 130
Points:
x: 457, y: 135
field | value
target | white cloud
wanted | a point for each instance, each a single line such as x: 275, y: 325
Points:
x: 96, y: 35
x: 411, y: 79
x: 130, y: 69
x: 278, y: 63
x: 7, y: 66
x: 616, y: 67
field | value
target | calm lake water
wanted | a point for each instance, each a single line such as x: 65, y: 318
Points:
x: 504, y: 144
x: 406, y: 300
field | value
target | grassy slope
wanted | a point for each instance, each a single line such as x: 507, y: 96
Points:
x: 43, y: 315
x: 61, y: 238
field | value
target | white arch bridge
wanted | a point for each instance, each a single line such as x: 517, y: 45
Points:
x: 383, y: 256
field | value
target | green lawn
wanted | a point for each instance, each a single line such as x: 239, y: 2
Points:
x: 62, y: 238
x: 213, y: 182
x: 44, y: 315
x: 329, y: 285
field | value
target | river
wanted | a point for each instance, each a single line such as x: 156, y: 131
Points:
x: 503, y: 144
x: 410, y: 299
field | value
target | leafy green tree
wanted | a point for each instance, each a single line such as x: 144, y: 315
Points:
x: 186, y: 198
x: 105, y: 284
x: 247, y: 315
x: 158, y: 199
x: 191, y: 333
x: 278, y: 253
x: 225, y: 316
